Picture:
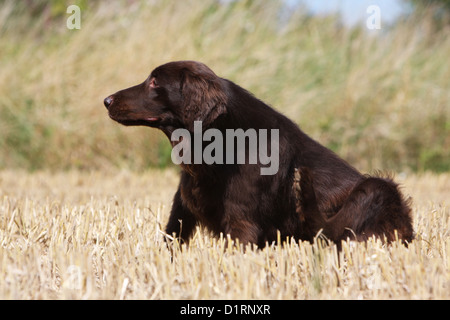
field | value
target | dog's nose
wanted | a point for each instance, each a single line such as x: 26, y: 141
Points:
x: 108, y: 101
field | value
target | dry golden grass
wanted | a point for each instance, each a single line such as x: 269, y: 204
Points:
x: 98, y: 236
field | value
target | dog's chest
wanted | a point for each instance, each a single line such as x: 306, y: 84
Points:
x: 203, y: 200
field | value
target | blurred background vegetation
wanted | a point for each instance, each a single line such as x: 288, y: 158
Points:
x: 380, y: 99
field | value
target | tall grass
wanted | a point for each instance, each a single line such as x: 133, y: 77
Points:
x: 85, y: 235
x: 380, y: 99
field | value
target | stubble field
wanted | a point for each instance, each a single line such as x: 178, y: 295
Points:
x: 98, y: 235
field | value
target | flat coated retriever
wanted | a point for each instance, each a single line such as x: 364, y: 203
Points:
x: 313, y: 189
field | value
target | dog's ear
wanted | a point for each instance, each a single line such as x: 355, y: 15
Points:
x: 203, y: 97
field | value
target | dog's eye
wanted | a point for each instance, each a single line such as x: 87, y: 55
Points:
x: 153, y: 83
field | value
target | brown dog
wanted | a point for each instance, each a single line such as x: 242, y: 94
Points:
x: 312, y: 190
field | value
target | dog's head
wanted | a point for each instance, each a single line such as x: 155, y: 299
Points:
x: 174, y: 96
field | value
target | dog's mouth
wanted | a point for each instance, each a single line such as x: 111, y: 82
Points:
x: 149, y: 122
